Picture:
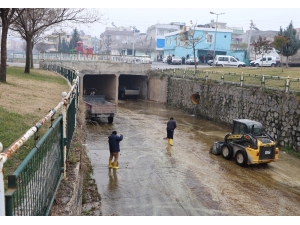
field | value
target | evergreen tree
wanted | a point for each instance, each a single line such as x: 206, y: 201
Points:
x: 75, y: 38
x: 293, y: 44
x: 59, y: 48
x: 65, y: 46
x: 279, y: 42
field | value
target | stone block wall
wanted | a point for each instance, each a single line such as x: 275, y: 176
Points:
x: 278, y: 111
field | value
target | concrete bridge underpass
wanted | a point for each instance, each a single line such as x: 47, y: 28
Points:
x: 105, y: 77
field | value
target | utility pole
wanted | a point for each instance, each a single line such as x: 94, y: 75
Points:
x: 249, y: 38
x: 215, y: 41
x: 133, y: 41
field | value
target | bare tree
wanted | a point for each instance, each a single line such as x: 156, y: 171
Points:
x: 35, y: 21
x: 107, y: 44
x: 188, y: 39
x: 262, y: 46
x: 8, y: 16
x: 146, y: 45
x: 42, y: 46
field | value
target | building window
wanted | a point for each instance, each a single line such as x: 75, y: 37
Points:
x: 117, y: 37
x: 160, y: 32
x: 177, y: 39
x: 209, y: 38
x: 167, y: 40
x: 170, y: 40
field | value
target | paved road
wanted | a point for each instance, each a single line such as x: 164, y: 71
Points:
x: 21, y: 64
x: 184, y: 180
x: 161, y: 65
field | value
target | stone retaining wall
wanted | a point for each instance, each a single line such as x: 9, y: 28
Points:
x: 277, y: 111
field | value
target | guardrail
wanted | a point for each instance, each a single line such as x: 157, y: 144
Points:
x: 85, y: 57
x: 31, y: 189
x: 286, y: 84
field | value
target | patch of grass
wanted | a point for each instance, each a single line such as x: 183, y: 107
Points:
x: 290, y: 151
x: 86, y: 212
x: 24, y: 100
x: 35, y: 75
x: 274, y: 78
x: 72, y: 157
x: 13, y: 125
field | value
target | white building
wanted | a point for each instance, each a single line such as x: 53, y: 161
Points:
x: 253, y: 35
x: 158, y: 31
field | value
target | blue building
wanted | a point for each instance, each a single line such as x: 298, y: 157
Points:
x: 211, y: 40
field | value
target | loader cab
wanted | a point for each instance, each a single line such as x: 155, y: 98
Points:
x: 245, y: 126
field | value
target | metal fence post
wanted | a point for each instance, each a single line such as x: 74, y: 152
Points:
x: 222, y: 78
x: 287, y: 84
x: 206, y: 77
x: 64, y: 113
x: 263, y: 80
x: 242, y: 79
x: 2, y: 194
x: 76, y: 101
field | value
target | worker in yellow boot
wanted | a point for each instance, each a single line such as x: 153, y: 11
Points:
x: 171, y: 126
x: 114, y: 148
x: 109, y: 163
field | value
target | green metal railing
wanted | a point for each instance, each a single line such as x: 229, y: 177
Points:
x: 286, y: 84
x: 33, y: 185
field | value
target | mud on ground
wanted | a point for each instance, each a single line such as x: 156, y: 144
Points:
x: 91, y: 205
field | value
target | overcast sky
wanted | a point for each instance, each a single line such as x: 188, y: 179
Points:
x: 142, y: 14
x: 264, y: 19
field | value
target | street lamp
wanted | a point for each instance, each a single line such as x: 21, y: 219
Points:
x: 215, y: 35
x: 133, y: 27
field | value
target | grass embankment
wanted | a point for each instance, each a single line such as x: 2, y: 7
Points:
x: 273, y: 71
x: 24, y: 100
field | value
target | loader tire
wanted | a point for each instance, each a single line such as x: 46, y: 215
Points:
x: 241, y: 158
x: 227, y: 151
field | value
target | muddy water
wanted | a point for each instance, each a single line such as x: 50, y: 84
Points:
x: 184, y: 180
